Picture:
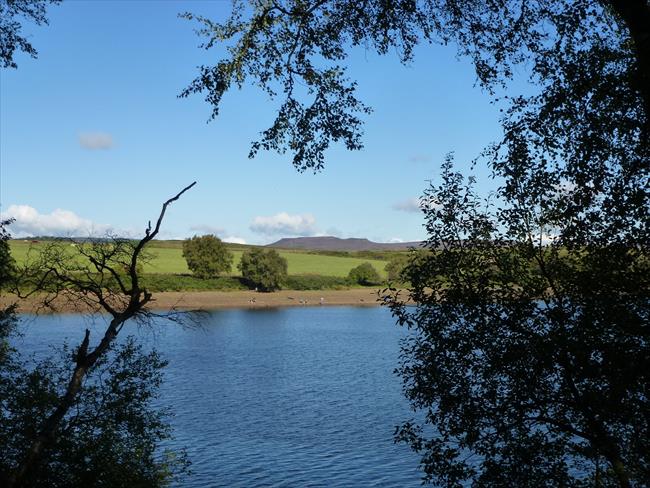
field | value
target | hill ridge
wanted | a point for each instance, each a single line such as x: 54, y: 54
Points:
x: 332, y: 243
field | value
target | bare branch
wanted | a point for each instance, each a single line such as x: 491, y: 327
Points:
x: 58, y: 274
x: 150, y: 235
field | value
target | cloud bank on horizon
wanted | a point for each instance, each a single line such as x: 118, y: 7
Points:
x: 30, y: 222
x: 58, y: 223
x: 234, y: 240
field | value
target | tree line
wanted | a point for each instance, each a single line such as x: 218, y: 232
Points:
x: 207, y: 257
x: 264, y: 269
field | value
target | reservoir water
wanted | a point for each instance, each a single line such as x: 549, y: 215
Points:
x: 277, y: 397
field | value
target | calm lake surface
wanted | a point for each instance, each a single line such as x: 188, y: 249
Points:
x: 280, y: 397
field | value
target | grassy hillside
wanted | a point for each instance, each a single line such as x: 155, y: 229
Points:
x: 167, y: 259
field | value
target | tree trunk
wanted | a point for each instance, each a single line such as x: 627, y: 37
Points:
x: 84, y: 362
x: 636, y: 17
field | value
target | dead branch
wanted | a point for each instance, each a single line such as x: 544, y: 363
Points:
x: 59, y: 274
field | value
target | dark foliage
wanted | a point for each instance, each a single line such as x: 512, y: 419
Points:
x: 395, y: 267
x: 364, y: 274
x: 263, y: 269
x: 168, y: 282
x: 111, y: 433
x: 109, y: 437
x: 528, y: 355
x: 315, y: 282
x: 7, y: 263
x: 11, y: 37
x: 337, y: 254
x: 577, y: 52
x: 7, y: 270
x: 100, y: 276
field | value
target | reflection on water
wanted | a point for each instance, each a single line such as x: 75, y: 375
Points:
x: 279, y: 397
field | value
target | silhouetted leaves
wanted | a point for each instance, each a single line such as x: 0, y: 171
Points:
x: 529, y: 356
x: 580, y: 55
x: 11, y: 36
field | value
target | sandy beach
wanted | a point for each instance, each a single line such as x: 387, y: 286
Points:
x: 210, y: 300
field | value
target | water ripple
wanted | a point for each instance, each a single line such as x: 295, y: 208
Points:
x: 300, y: 397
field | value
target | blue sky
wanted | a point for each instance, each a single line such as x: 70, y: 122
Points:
x: 93, y: 136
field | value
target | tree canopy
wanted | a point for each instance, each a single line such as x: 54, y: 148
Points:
x: 207, y: 256
x: 112, y: 438
x: 577, y: 53
x: 364, y: 274
x: 528, y: 357
x: 7, y: 270
x: 265, y: 270
x: 7, y: 263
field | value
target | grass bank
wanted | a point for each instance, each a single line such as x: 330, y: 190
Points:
x: 166, y: 269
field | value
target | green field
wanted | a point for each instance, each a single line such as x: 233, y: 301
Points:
x: 167, y: 258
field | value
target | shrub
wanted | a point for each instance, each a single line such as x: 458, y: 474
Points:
x: 378, y: 255
x: 207, y: 256
x: 167, y: 282
x: 364, y: 274
x: 263, y: 269
x: 7, y: 263
x: 113, y: 437
x: 316, y: 282
x: 337, y: 254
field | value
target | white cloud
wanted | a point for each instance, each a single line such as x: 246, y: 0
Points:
x: 234, y: 240
x: 395, y: 240
x: 285, y: 225
x: 95, y: 140
x: 29, y: 222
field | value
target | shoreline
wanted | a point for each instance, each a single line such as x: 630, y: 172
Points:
x: 217, y: 300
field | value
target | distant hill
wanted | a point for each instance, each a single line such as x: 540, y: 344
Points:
x: 330, y: 243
